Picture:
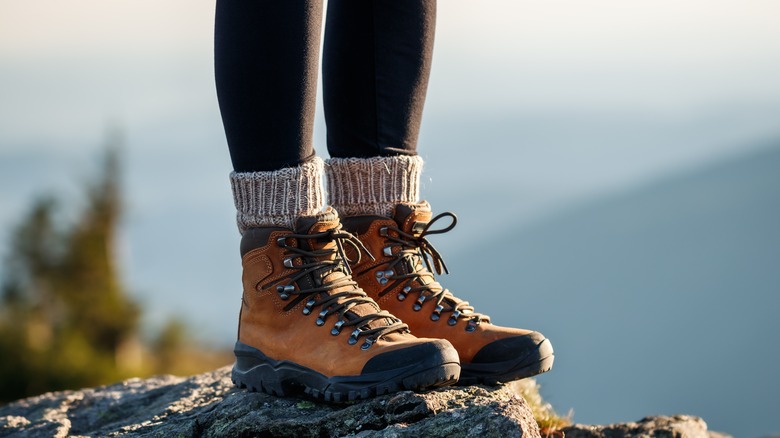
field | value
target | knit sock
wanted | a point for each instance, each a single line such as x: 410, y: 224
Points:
x: 373, y: 186
x: 278, y: 197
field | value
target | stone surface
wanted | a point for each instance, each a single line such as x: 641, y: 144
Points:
x: 208, y: 405
x: 678, y: 426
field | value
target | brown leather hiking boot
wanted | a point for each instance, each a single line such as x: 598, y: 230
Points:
x: 400, y: 280
x: 306, y: 325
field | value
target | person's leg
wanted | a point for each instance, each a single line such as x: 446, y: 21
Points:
x: 265, y: 56
x: 376, y: 64
x: 304, y: 323
x: 375, y: 77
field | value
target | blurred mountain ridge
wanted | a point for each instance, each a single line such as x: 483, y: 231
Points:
x: 623, y: 285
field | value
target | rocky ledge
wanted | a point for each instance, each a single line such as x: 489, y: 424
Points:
x: 678, y: 426
x: 209, y: 405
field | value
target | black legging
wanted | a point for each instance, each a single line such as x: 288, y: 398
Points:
x: 376, y: 62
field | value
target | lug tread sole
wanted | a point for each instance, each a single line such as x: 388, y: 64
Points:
x: 445, y: 375
x: 259, y: 373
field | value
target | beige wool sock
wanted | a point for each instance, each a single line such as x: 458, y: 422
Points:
x: 278, y: 197
x: 373, y: 186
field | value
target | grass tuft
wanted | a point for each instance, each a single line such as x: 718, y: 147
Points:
x: 550, y: 422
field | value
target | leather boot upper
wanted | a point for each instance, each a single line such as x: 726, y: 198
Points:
x: 402, y: 281
x: 301, y: 304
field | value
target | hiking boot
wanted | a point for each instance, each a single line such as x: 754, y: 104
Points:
x: 306, y: 326
x: 400, y: 279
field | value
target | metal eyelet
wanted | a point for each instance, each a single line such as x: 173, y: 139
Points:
x: 471, y: 326
x: 337, y: 328
x: 454, y: 318
x: 418, y: 304
x: 285, y: 291
x: 309, y: 305
x: 281, y: 241
x: 367, y: 344
x: 288, y: 262
x: 383, y: 231
x: 402, y: 294
x: 353, y: 338
x: 321, y: 318
x: 383, y: 277
x: 437, y: 313
x: 387, y: 251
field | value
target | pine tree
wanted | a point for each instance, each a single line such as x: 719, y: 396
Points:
x: 65, y: 313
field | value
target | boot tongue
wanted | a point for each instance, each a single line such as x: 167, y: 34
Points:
x: 304, y: 224
x: 320, y: 223
x: 412, y: 218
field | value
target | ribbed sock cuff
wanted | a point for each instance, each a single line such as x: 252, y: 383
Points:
x: 278, y: 197
x: 373, y: 186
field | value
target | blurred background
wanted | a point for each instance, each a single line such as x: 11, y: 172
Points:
x: 626, y: 203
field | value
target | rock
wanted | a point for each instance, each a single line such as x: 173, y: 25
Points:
x: 678, y: 426
x: 208, y: 405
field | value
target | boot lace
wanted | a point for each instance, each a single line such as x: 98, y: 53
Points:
x: 416, y: 250
x: 317, y: 264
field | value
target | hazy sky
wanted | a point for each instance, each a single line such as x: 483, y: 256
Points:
x: 665, y: 56
x: 577, y: 99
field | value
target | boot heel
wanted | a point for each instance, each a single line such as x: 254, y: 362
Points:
x: 255, y: 371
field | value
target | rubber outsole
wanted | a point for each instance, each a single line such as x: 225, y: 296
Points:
x: 257, y: 372
x: 538, y: 361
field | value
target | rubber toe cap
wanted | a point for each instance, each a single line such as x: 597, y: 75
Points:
x: 428, y: 354
x: 513, y: 348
